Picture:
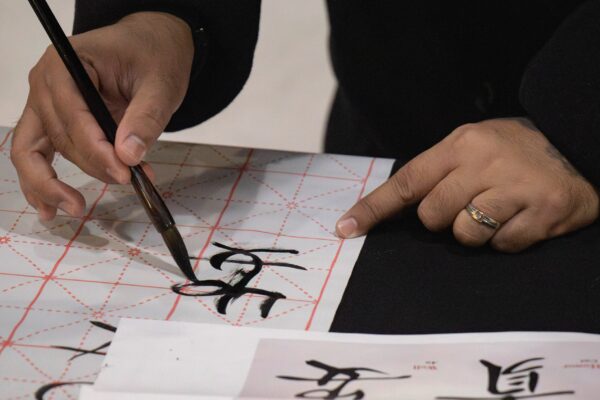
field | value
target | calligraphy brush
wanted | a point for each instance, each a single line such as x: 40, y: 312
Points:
x: 150, y: 198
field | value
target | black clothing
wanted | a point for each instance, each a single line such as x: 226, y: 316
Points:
x: 409, y: 73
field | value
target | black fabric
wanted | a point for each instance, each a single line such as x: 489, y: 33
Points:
x: 408, y: 280
x: 409, y: 73
x: 411, y: 281
x: 561, y: 90
x: 417, y: 70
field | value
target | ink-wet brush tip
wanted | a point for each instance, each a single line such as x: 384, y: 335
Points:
x: 176, y: 246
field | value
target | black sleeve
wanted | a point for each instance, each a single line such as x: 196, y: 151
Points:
x: 231, y: 28
x: 560, y: 90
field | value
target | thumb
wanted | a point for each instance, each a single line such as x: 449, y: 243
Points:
x: 145, y: 118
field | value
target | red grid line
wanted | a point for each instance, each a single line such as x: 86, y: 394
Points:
x: 344, y: 166
x: 329, y: 239
x: 136, y: 285
x: 281, y: 228
x: 223, y: 156
x: 214, y: 228
x: 250, y: 169
x: 5, y: 140
x: 10, y: 337
x: 181, y: 225
x: 337, y: 254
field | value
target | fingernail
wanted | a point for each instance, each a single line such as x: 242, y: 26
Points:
x: 347, y: 227
x: 135, y: 147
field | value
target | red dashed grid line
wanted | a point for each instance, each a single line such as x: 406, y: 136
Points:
x: 245, y: 170
x: 5, y: 140
x: 249, y: 169
x: 337, y: 254
x: 278, y: 236
x: 215, y: 227
x: 47, y: 279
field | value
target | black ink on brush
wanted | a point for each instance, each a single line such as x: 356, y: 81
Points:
x: 237, y: 285
x: 153, y: 204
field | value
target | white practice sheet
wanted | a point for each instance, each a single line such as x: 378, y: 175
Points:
x: 186, y: 360
x: 65, y: 284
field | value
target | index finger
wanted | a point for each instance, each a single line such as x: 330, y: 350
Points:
x: 409, y: 185
x: 91, y: 151
x: 31, y: 153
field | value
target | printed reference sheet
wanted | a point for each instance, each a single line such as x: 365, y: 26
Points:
x: 164, y: 360
x: 259, y: 228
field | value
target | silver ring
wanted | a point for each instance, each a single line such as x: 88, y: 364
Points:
x: 480, y: 217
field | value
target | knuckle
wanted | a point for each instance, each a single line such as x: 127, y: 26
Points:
x: 466, y: 236
x: 40, y: 67
x: 428, y: 217
x: 402, y: 185
x: 74, y: 126
x: 558, y: 230
x: 493, y: 207
x: 371, y: 209
x: 155, y: 114
x: 172, y: 81
x: 15, y: 154
x: 50, y: 52
x: 471, y: 137
x: 16, y: 148
x: 560, y: 201
x: 33, y: 75
x: 521, y: 236
x: 505, y: 245
x: 59, y: 141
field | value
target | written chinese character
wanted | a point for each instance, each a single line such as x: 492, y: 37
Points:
x: 237, y: 285
x: 41, y: 392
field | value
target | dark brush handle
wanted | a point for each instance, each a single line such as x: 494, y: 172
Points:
x: 155, y: 207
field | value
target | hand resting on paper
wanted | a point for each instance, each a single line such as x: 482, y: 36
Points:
x: 141, y: 66
x: 505, y: 168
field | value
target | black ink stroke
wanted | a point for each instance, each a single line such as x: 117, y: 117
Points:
x: 41, y: 392
x: 95, y: 350
x: 237, y: 285
x: 344, y: 376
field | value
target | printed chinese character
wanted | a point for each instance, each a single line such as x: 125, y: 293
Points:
x: 338, y: 379
x: 517, y: 381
